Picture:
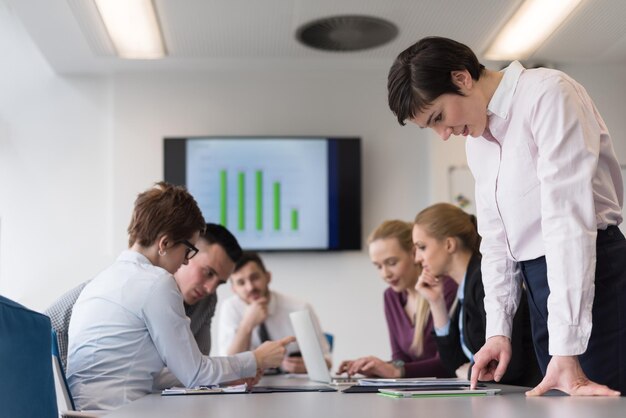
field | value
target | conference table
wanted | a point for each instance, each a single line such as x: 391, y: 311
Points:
x: 509, y: 403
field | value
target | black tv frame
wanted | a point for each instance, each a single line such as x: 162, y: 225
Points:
x: 345, y: 217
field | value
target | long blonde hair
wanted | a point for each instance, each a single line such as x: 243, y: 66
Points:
x: 402, y: 231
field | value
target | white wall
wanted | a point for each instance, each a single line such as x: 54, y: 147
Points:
x: 54, y: 173
x: 342, y: 287
x: 75, y: 151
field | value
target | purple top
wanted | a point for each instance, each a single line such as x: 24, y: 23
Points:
x: 401, y: 332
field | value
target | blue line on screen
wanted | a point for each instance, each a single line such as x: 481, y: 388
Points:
x: 333, y: 194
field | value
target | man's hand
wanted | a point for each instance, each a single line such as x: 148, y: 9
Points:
x: 491, y: 361
x: 271, y: 353
x: 255, y: 313
x: 565, y: 374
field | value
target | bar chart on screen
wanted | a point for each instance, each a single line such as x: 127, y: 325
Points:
x: 263, y: 193
x: 257, y: 203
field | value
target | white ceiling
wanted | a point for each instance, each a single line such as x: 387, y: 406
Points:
x: 230, y: 34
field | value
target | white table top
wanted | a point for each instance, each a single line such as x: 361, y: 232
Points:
x: 511, y: 403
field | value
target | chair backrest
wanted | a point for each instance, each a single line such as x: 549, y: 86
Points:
x: 65, y: 401
x: 26, y: 381
x: 331, y: 340
x: 60, y: 313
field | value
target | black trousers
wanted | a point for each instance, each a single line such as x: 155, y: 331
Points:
x: 605, y: 359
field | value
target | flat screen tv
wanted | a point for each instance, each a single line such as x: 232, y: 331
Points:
x: 274, y: 193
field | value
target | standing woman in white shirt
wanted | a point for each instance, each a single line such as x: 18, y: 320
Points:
x: 129, y: 322
x: 549, y: 199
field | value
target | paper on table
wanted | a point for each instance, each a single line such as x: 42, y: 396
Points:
x: 437, y: 392
x: 200, y: 390
x: 422, y: 381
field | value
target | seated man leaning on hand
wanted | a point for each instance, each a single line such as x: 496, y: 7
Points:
x: 256, y: 314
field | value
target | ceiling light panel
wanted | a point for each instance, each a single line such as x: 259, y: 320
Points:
x: 133, y: 27
x: 529, y: 27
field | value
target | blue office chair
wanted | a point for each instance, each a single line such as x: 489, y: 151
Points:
x: 330, y: 338
x: 27, y: 382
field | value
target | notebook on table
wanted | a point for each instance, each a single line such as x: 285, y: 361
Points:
x: 416, y: 384
x: 311, y: 349
x: 414, y: 381
x: 239, y: 389
x: 430, y: 393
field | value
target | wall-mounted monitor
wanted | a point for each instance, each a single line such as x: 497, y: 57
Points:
x: 274, y: 193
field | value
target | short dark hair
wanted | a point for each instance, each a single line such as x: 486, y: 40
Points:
x: 248, y: 257
x: 217, y: 234
x: 422, y: 72
x: 164, y: 209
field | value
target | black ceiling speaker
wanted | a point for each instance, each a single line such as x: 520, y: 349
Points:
x: 347, y: 33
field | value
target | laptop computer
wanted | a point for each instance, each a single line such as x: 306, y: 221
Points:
x: 311, y: 349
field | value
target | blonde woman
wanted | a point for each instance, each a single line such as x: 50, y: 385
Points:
x: 414, y: 351
x: 446, y: 244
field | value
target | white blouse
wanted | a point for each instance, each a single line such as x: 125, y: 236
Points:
x: 546, y: 180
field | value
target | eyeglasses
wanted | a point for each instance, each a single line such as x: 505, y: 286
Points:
x: 190, y: 251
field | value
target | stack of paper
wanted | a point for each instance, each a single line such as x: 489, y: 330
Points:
x: 203, y: 390
x: 426, y: 393
x: 416, y: 382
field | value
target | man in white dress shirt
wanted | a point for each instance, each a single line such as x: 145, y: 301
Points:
x: 256, y: 314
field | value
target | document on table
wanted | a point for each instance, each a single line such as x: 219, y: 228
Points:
x: 204, y: 390
x: 416, y: 382
x: 429, y: 393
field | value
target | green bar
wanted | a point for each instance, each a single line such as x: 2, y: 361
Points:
x: 259, y: 200
x: 294, y: 219
x: 277, y: 206
x: 241, y: 200
x: 223, y: 199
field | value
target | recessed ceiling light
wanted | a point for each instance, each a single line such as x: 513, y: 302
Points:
x: 529, y: 27
x: 133, y: 27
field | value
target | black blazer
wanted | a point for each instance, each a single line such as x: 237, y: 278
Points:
x: 523, y: 369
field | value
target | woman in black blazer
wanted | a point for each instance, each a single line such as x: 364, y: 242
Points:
x: 447, y: 242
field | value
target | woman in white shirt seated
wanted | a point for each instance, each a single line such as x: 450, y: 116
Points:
x: 129, y: 322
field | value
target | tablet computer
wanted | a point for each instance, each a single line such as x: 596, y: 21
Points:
x: 429, y: 392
